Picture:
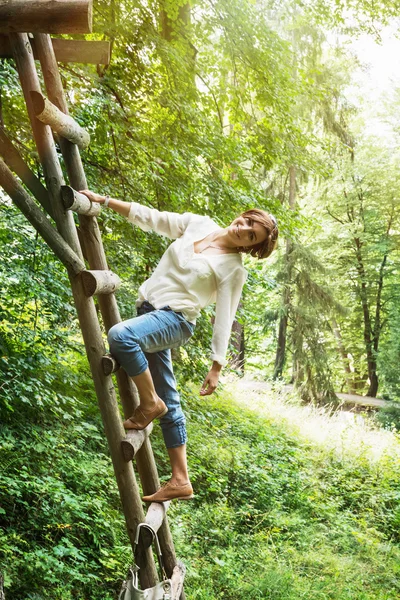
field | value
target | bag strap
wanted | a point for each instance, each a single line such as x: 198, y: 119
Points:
x: 133, y: 575
x: 156, y: 544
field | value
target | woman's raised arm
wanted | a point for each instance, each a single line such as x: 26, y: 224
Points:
x: 169, y: 224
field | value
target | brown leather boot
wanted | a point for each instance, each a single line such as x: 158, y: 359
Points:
x: 171, y: 491
x: 141, y: 418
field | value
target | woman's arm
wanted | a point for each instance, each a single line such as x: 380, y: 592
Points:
x: 169, y: 224
x: 228, y: 296
x: 211, y: 381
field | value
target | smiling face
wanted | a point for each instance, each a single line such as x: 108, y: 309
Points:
x: 254, y: 232
x: 244, y: 232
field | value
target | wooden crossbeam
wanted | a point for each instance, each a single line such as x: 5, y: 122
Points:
x: 76, y: 51
x: 109, y: 364
x: 46, y: 16
x: 154, y: 518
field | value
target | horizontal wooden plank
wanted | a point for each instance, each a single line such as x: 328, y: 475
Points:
x: 46, y: 16
x: 76, y: 51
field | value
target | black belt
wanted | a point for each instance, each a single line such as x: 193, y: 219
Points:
x: 146, y: 307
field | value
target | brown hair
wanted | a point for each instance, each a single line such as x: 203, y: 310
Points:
x: 265, y: 248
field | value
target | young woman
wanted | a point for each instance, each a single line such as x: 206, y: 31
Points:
x: 202, y: 266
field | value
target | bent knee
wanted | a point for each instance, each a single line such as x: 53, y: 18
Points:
x: 120, y: 335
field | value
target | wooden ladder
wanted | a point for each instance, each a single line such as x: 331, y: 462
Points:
x: 76, y: 248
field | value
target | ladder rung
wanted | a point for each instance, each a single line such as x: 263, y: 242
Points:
x: 73, y: 200
x: 63, y: 124
x: 99, y: 282
x: 109, y: 364
x: 134, y: 441
x: 154, y: 518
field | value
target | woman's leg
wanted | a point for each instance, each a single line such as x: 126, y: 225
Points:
x: 130, y: 341
x: 134, y: 344
x: 177, y: 458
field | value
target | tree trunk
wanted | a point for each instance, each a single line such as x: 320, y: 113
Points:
x: 286, y: 297
x: 368, y: 334
x: 345, y: 361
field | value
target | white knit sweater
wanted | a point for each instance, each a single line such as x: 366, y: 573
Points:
x: 186, y: 281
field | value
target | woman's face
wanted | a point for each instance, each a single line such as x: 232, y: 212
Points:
x: 244, y: 232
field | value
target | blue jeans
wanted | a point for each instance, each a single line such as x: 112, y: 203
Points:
x: 145, y: 341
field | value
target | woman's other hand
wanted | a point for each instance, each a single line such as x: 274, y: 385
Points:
x: 92, y: 196
x: 211, y: 381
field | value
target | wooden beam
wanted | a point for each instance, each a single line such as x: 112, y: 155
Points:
x: 76, y: 51
x: 79, y: 203
x: 46, y: 16
x: 134, y: 441
x: 17, y: 164
x: 39, y: 220
x: 82, y: 51
x: 60, y: 123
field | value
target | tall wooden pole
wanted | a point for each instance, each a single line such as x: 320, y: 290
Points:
x: 86, y: 310
x: 108, y: 306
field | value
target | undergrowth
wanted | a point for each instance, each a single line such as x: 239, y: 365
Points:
x: 277, y: 514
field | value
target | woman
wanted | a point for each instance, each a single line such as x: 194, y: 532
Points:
x: 202, y: 266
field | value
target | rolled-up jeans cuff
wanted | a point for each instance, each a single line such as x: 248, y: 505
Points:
x: 174, y: 434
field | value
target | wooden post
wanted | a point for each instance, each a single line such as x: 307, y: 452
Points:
x: 60, y: 123
x: 86, y: 311
x: 44, y: 140
x: 62, y: 16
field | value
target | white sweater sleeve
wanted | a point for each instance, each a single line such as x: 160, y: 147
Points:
x: 229, y: 291
x: 169, y: 224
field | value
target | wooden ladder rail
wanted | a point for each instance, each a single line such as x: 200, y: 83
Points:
x: 90, y: 327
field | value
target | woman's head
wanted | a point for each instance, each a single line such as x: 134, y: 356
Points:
x: 255, y: 232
